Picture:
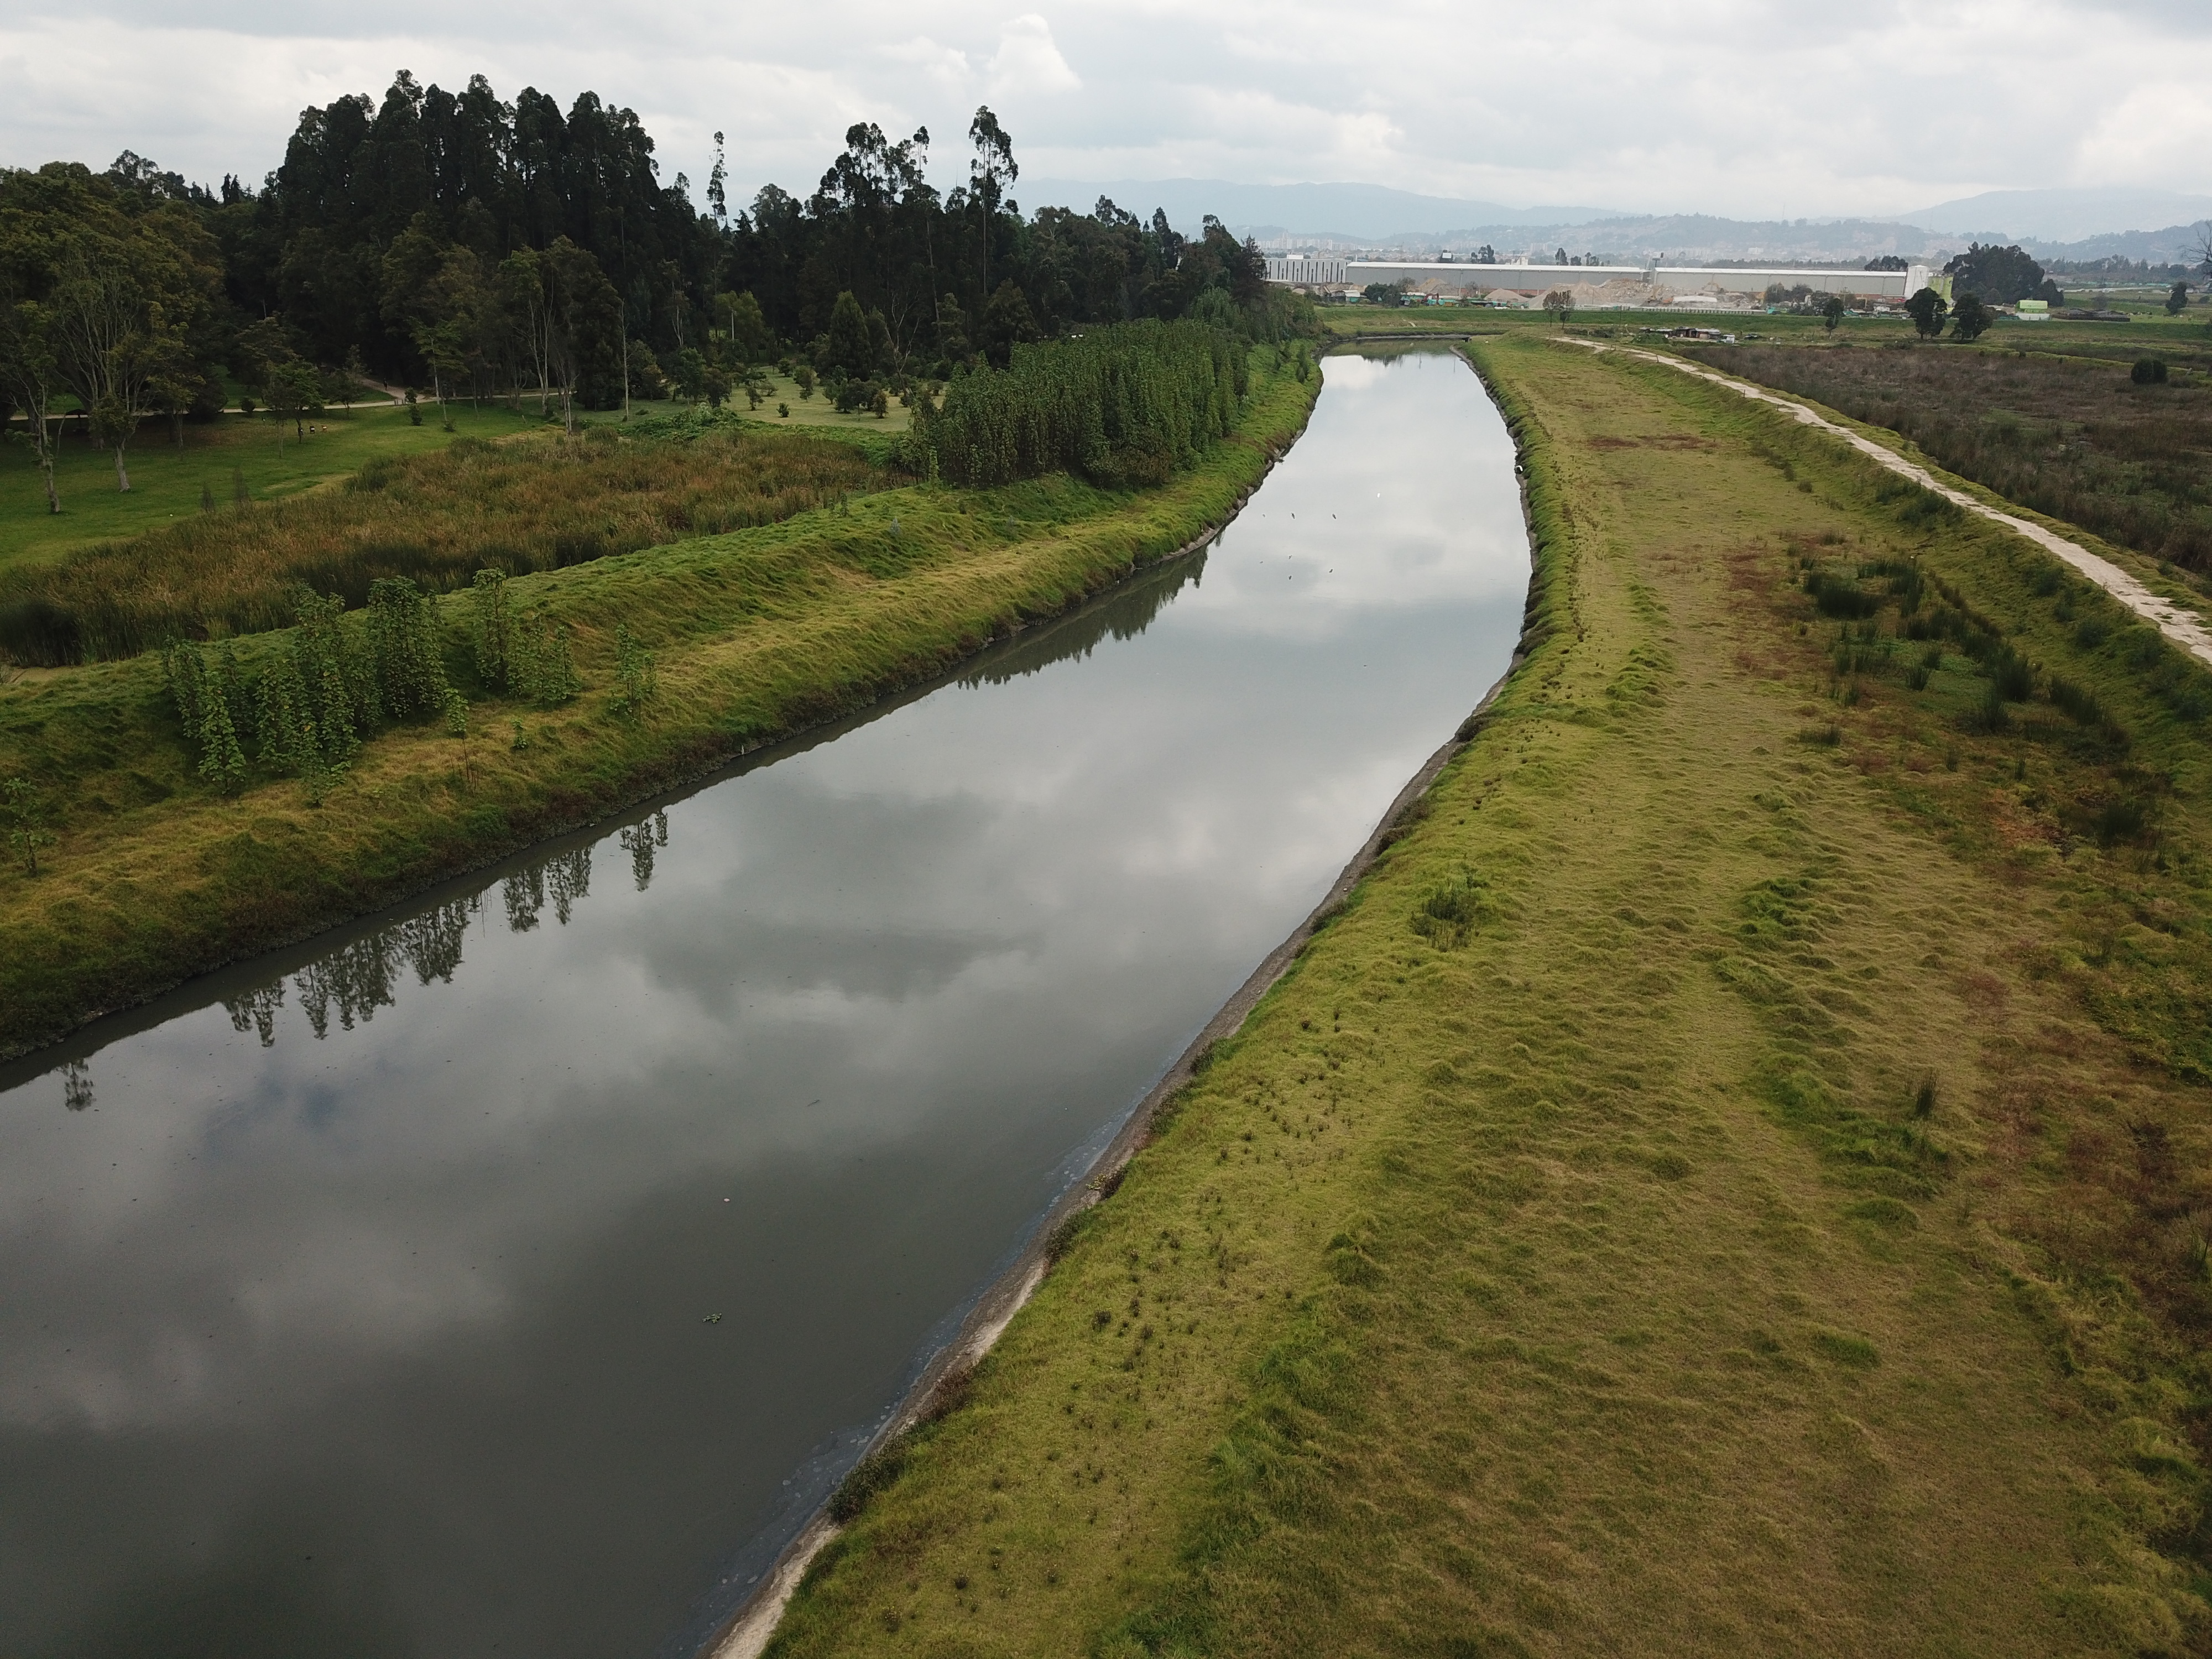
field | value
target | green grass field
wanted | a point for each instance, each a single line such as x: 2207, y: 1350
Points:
x: 1733, y: 1180
x: 165, y: 483
x: 2150, y: 331
x: 815, y: 411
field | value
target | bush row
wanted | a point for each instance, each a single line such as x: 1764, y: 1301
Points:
x: 324, y: 689
x: 1124, y: 405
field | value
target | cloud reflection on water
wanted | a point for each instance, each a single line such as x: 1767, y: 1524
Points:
x: 443, y: 1208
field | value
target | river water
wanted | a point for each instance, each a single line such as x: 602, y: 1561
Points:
x: 511, y: 1273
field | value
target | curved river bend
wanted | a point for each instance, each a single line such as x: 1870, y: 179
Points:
x: 512, y: 1273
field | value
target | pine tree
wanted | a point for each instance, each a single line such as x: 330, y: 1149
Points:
x: 488, y: 629
x: 222, y: 759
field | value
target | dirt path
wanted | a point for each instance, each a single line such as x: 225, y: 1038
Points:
x: 2180, y: 626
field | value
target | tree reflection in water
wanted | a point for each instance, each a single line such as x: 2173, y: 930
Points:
x: 362, y: 976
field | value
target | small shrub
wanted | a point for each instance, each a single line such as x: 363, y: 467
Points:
x: 1063, y: 1235
x: 2147, y: 371
x: 404, y: 646
x: 1838, y: 596
x: 2077, y: 702
x: 27, y: 831
x: 211, y: 706
x: 2123, y: 819
x: 637, y: 678
x: 1885, y: 1212
x: 871, y: 1475
x: 1992, y: 716
x: 541, y: 668
x: 1847, y: 1350
x: 487, y: 627
x: 1447, y: 913
x: 2011, y: 676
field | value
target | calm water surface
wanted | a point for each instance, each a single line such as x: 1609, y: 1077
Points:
x: 510, y: 1274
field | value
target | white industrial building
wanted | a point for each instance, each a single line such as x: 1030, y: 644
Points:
x: 1307, y: 271
x: 1593, y: 286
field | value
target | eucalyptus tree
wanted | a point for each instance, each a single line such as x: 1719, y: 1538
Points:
x: 121, y: 309
x: 30, y: 368
x: 107, y: 299
x: 1928, y: 308
x: 988, y: 174
x: 583, y: 329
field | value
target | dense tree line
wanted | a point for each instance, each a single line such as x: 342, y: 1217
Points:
x: 468, y: 245
x: 1124, y: 404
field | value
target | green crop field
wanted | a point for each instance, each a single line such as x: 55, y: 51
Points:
x: 1732, y: 1180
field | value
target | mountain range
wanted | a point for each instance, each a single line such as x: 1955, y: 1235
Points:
x: 2159, y: 227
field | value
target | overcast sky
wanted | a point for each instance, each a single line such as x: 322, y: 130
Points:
x: 1751, y: 108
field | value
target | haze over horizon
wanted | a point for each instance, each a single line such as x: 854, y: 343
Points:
x: 1739, y: 108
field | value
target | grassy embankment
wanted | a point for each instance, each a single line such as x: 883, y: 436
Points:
x: 757, y: 632
x: 1732, y: 1180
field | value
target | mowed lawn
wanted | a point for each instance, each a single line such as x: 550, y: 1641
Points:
x: 1722, y: 1186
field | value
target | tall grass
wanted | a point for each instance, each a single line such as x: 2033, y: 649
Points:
x: 1128, y: 404
x: 434, y: 519
x: 2074, y: 439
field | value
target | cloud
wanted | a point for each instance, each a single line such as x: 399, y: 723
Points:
x: 1748, y: 108
x: 1027, y: 63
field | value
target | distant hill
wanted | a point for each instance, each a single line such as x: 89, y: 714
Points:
x: 2062, y: 215
x: 2052, y: 224
x: 1359, y: 212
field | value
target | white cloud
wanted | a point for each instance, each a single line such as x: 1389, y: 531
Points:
x: 1027, y: 63
x: 1737, y: 106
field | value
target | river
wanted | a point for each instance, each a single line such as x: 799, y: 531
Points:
x: 511, y: 1273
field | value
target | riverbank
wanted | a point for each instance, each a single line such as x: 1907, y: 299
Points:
x: 758, y: 634
x: 1721, y: 1183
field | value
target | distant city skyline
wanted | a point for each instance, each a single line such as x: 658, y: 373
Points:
x: 1749, y: 109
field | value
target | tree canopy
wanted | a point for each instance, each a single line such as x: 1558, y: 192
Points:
x: 1997, y: 275
x: 461, y: 242
x: 1928, y: 308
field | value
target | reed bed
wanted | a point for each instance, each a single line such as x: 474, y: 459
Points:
x: 432, y: 520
